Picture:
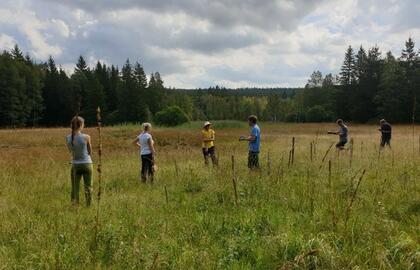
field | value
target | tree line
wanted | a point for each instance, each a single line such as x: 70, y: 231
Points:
x: 369, y: 86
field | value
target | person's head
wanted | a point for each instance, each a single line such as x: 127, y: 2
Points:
x: 340, y: 122
x: 77, y: 124
x: 382, y: 121
x: 207, y: 125
x: 252, y: 120
x: 147, y: 126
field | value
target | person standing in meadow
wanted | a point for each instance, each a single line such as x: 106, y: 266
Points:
x: 147, y: 153
x: 342, y: 133
x: 80, y: 147
x: 386, y: 131
x: 253, y: 140
x: 207, y: 137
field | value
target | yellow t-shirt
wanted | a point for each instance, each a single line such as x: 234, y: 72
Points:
x: 207, y: 134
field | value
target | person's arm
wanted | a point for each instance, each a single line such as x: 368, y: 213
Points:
x: 204, y: 139
x: 388, y: 129
x: 69, y: 147
x: 136, y: 142
x: 151, y: 144
x: 251, y: 138
x: 89, y: 145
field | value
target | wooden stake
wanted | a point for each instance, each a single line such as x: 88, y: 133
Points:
x: 166, y: 195
x: 99, y: 169
x: 234, y: 180
x: 351, y: 151
x: 293, y: 150
x: 329, y: 172
x: 311, y: 151
x: 413, y: 118
x: 268, y: 163
x: 176, y: 169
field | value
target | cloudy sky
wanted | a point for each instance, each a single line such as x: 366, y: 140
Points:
x: 201, y: 43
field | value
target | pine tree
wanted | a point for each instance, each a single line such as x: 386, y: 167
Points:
x: 10, y: 84
x: 17, y: 53
x: 131, y: 105
x: 410, y: 62
x: 315, y: 80
x: 392, y: 98
x: 114, y: 82
x: 81, y: 65
x: 360, y: 64
x: 347, y: 74
x: 409, y: 54
x: 155, y: 93
x: 140, y: 76
x: 328, y: 81
x: 51, y: 94
x: 34, y: 100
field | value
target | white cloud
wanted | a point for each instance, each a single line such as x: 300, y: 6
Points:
x: 32, y: 28
x: 6, y: 42
x: 202, y: 43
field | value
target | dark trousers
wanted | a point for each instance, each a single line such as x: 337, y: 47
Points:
x: 385, y: 140
x: 147, y: 163
x: 253, y: 162
x: 210, y: 152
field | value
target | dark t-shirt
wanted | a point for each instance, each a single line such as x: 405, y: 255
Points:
x: 386, y: 130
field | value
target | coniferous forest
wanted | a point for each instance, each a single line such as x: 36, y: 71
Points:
x: 370, y: 85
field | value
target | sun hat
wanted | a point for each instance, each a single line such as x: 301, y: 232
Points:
x: 206, y: 123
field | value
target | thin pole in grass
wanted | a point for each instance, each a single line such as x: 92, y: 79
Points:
x: 325, y: 155
x: 329, y: 172
x: 166, y: 195
x: 352, y: 199
x: 99, y: 169
x: 413, y: 118
x: 311, y: 192
x: 311, y: 151
x: 176, y: 168
x: 419, y: 144
x: 234, y: 180
x: 268, y: 163
x: 351, y: 151
x: 293, y: 150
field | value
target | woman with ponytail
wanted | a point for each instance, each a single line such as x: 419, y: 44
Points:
x: 80, y: 147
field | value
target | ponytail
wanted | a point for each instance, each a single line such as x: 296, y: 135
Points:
x: 75, y: 124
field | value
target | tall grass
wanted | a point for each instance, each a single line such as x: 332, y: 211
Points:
x: 297, y: 217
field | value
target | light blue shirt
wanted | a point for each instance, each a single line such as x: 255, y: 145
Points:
x: 144, y: 138
x: 254, y: 146
x: 78, y: 149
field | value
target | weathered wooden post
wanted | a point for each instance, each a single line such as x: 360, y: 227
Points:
x: 234, y: 180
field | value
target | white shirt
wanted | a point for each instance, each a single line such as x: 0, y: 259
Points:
x: 144, y: 138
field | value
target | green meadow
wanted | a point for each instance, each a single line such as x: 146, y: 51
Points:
x: 314, y: 209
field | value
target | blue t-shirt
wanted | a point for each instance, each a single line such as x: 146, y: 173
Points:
x: 254, y: 146
x: 79, y: 149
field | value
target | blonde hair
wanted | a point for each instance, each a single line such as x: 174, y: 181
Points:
x: 76, y: 123
x: 147, y: 126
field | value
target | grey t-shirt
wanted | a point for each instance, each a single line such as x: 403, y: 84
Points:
x: 344, y: 133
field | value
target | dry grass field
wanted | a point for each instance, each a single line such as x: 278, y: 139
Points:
x: 291, y: 215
